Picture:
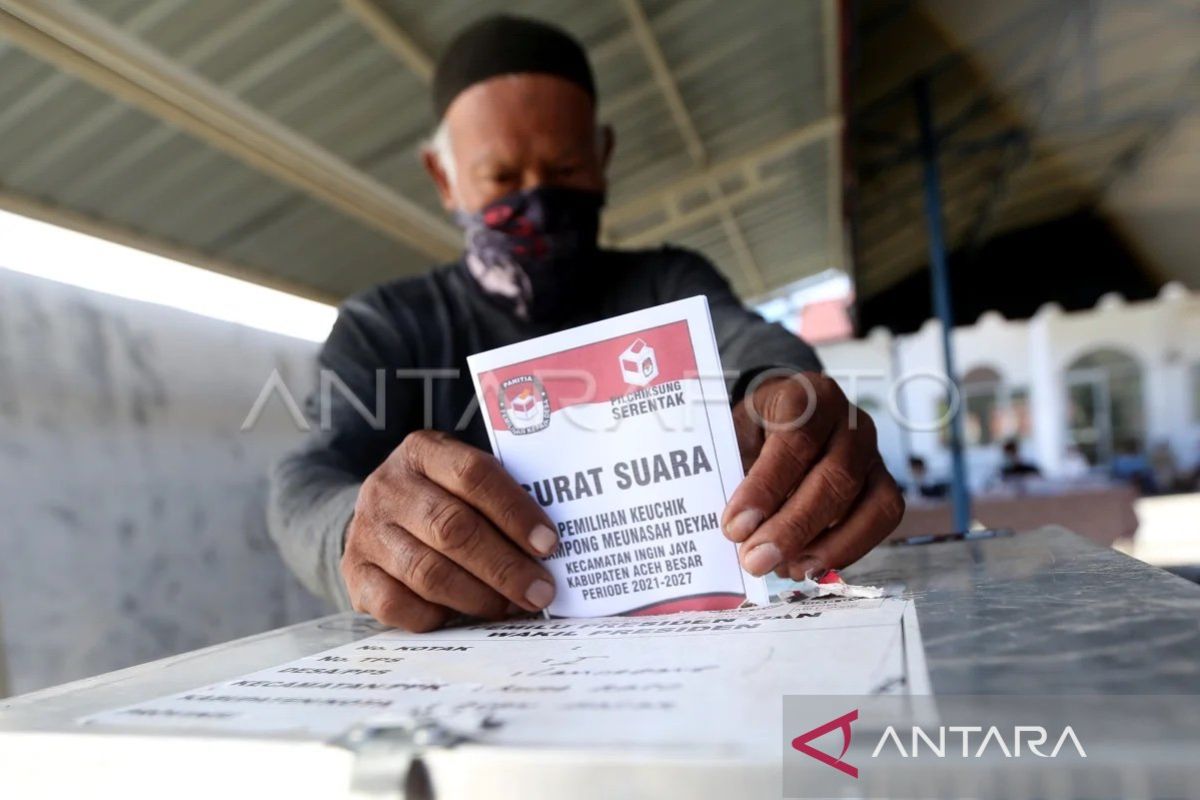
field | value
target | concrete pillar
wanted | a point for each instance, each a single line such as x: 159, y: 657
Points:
x: 1047, y: 392
x: 1168, y: 377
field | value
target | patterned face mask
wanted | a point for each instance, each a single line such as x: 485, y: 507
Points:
x: 530, y: 250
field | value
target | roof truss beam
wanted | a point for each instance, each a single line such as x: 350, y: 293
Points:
x: 392, y: 36
x: 644, y: 34
x: 84, y: 44
x: 752, y: 166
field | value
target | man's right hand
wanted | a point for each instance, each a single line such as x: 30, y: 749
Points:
x: 440, y: 527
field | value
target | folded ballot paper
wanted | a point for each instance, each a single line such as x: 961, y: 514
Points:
x: 622, y: 431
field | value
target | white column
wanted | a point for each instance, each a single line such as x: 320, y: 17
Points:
x: 1166, y: 391
x: 1047, y: 392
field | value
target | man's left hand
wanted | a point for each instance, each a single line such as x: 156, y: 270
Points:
x: 817, y: 494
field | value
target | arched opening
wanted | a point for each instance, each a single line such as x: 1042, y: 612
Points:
x: 993, y: 410
x: 1104, y: 404
x: 983, y: 398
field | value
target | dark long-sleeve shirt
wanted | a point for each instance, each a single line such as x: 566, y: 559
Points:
x: 434, y: 322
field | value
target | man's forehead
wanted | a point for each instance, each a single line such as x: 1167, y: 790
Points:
x: 521, y: 96
x: 507, y: 116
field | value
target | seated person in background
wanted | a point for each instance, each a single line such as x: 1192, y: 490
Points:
x: 1075, y: 465
x: 1013, y: 467
x: 1131, y: 466
x: 1192, y: 482
x: 920, y: 487
x: 1165, y: 468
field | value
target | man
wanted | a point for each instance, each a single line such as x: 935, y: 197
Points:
x: 411, y: 520
x: 1013, y: 467
x: 920, y: 487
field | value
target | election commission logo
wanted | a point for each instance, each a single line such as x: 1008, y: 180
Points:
x: 801, y: 743
x: 524, y: 405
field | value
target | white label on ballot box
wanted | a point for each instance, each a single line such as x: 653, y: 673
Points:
x: 697, y: 678
x: 622, y: 431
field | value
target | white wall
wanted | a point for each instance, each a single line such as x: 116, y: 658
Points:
x: 131, y: 506
x: 864, y: 369
x: 1163, y: 335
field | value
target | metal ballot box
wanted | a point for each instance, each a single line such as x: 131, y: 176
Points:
x: 1044, y: 613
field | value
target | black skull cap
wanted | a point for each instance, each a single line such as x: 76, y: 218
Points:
x: 506, y: 45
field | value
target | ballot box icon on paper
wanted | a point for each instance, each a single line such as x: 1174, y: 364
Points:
x: 524, y: 404
x: 638, y: 364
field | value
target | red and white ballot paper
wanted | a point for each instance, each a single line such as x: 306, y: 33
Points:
x: 622, y: 431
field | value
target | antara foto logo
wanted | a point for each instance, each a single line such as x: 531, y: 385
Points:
x: 1024, y: 741
x: 801, y: 743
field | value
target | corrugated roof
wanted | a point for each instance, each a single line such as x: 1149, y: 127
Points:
x: 750, y: 74
x: 1040, y: 106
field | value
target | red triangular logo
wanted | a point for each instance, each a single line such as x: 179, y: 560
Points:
x: 801, y: 743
